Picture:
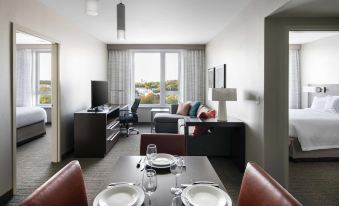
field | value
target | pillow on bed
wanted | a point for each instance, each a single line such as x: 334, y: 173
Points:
x: 332, y: 104
x: 319, y: 103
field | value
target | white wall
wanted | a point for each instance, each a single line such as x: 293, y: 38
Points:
x: 82, y: 58
x: 320, y: 62
x: 241, y: 46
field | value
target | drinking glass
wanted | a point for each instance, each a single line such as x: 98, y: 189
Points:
x: 177, y: 167
x: 177, y: 200
x: 151, y: 153
x: 149, y: 183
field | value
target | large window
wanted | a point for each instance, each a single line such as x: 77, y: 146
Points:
x: 157, y: 77
x: 44, y: 87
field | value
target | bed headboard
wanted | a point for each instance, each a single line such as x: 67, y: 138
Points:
x: 331, y: 89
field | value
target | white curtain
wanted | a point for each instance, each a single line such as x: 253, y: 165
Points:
x: 120, y: 76
x: 25, y: 78
x: 294, y: 79
x: 192, y: 80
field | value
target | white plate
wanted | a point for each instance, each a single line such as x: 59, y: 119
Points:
x: 205, y: 195
x: 120, y: 195
x: 162, y: 160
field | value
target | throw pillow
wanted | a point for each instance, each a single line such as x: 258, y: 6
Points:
x: 194, y: 108
x: 183, y: 108
x: 199, y: 130
x: 202, y: 109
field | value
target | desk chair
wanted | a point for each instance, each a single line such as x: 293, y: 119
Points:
x: 128, y: 117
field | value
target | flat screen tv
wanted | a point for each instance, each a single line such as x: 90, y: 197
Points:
x: 99, y: 93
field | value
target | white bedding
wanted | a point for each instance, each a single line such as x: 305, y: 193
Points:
x: 314, y: 129
x: 29, y: 115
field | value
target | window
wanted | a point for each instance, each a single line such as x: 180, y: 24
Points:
x: 157, y: 77
x: 44, y: 87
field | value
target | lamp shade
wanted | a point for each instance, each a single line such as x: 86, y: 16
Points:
x: 312, y: 89
x: 121, y: 26
x: 222, y: 94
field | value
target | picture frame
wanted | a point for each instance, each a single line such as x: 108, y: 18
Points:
x: 220, y: 76
x: 211, y: 78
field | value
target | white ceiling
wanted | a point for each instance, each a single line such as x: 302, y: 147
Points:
x: 23, y: 38
x: 153, y: 21
x: 303, y: 37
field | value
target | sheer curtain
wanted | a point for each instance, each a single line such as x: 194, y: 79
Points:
x: 120, y: 76
x: 294, y: 79
x: 192, y: 80
x: 25, y: 78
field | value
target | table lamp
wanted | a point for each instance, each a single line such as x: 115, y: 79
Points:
x: 222, y: 95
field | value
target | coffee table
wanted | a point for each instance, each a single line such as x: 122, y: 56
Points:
x: 197, y: 168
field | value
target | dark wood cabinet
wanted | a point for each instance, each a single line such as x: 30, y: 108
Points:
x: 95, y: 133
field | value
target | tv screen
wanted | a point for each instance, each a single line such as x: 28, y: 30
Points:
x: 99, y: 93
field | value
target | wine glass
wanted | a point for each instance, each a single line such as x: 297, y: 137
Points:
x: 176, y: 168
x: 177, y: 200
x: 151, y: 153
x: 149, y: 183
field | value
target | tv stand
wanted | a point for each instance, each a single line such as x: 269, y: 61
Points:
x: 96, y: 132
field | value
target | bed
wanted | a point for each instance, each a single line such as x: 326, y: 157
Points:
x: 30, y: 123
x: 314, y: 131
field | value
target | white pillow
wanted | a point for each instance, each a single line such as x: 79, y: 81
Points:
x: 332, y: 104
x: 319, y: 103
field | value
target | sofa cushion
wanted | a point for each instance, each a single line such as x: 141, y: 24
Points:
x: 165, y: 117
x: 183, y: 108
x: 194, y: 108
x: 201, y: 109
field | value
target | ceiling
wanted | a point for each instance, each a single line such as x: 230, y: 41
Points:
x: 303, y: 37
x: 23, y: 38
x: 309, y: 8
x: 153, y: 21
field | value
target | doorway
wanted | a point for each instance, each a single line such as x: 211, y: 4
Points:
x: 35, y: 103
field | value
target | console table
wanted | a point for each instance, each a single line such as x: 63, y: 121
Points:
x: 95, y: 133
x: 235, y: 131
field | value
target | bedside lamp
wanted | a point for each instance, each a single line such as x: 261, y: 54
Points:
x: 222, y: 95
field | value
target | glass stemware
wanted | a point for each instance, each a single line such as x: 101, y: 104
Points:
x: 151, y: 153
x: 177, y: 167
x: 149, y: 183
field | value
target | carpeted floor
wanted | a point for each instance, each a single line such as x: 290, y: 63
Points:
x: 311, y: 183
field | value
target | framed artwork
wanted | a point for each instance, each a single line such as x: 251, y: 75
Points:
x: 211, y: 78
x: 220, y: 76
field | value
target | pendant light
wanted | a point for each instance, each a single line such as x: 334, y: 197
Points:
x: 121, y: 21
x: 92, y: 7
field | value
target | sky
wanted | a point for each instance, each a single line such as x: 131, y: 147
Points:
x: 147, y: 66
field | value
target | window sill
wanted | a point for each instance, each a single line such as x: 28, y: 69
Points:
x: 45, y: 106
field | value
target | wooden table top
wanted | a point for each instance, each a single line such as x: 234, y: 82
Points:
x: 198, y: 168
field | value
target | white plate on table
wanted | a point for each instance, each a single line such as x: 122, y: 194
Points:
x: 162, y: 160
x: 120, y: 195
x: 205, y: 195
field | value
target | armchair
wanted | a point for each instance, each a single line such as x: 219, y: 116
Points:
x: 128, y: 117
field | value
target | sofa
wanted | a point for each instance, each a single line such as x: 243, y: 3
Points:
x: 214, y: 142
x: 167, y: 122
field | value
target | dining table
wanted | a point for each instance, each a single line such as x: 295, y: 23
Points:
x: 197, y: 168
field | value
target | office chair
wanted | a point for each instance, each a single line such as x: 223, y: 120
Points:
x: 128, y: 117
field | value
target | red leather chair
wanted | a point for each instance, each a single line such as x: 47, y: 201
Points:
x: 258, y: 188
x: 65, y: 188
x: 166, y: 143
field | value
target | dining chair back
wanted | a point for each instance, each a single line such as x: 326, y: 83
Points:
x: 258, y: 188
x: 65, y: 188
x: 166, y: 143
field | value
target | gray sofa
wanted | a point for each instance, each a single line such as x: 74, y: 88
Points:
x: 167, y: 123
x: 216, y: 142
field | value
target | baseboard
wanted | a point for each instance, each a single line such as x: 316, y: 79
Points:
x: 6, y: 197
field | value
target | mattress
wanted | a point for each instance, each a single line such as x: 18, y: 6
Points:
x: 29, y: 115
x: 314, y: 129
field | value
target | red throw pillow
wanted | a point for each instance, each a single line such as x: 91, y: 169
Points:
x: 199, y: 130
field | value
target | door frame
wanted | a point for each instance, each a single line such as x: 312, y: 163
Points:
x: 55, y: 108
